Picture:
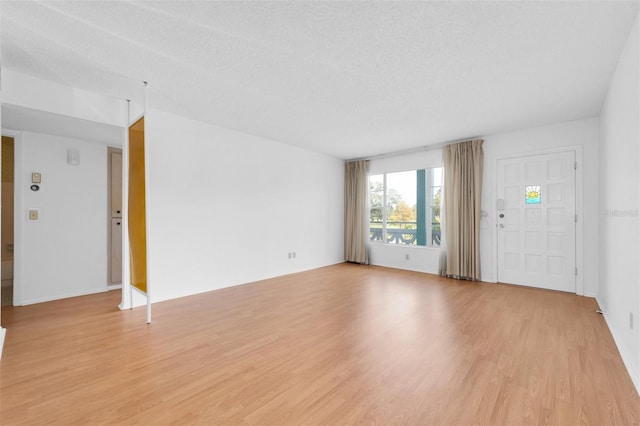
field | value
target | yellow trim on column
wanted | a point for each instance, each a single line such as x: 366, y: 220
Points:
x: 137, y: 207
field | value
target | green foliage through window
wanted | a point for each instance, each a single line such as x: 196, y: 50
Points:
x: 405, y: 207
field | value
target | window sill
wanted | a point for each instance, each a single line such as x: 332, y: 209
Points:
x: 406, y: 246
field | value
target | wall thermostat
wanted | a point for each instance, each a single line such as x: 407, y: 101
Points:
x: 36, y: 178
x: 35, y: 187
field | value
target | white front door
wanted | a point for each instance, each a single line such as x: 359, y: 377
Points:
x: 536, y: 210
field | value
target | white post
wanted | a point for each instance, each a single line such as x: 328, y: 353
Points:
x: 147, y: 203
x: 148, y: 307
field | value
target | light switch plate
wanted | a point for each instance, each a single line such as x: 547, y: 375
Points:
x: 36, y: 178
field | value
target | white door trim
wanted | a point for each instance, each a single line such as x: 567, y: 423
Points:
x: 577, y: 149
x: 16, y: 138
x: 18, y: 202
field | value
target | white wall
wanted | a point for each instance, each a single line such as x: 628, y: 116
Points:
x: 226, y: 207
x: 223, y: 204
x: 64, y: 253
x: 618, y: 211
x: 580, y: 133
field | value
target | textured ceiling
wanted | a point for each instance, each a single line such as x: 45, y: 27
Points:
x: 350, y: 79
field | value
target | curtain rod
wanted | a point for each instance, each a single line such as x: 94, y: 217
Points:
x: 413, y: 150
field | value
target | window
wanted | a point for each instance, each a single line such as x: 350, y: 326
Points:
x: 434, y: 195
x: 405, y: 207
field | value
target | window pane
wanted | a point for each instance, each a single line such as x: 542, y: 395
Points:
x: 401, y: 207
x: 394, y: 209
x: 376, y: 190
x: 436, y: 197
x: 435, y: 221
x: 437, y: 176
x: 532, y: 194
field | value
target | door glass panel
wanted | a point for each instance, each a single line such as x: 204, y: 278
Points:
x: 532, y: 194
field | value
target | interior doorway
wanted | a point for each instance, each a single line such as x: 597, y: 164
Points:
x: 73, y: 205
x: 6, y: 251
x: 115, y: 216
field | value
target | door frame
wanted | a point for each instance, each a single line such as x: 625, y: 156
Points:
x: 579, y: 241
x: 111, y: 150
x: 17, y: 224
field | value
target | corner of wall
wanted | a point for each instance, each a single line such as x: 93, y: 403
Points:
x: 628, y: 361
x: 3, y: 332
x: 618, y: 183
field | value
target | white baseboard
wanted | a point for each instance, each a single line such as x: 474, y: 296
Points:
x: 626, y: 358
x: 3, y: 332
x: 63, y: 296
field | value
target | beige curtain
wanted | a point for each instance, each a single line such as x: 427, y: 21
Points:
x: 356, y: 212
x: 462, y: 190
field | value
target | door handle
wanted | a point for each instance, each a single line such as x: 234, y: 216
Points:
x: 118, y: 223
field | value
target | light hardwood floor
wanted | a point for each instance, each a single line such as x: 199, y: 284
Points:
x: 338, y: 345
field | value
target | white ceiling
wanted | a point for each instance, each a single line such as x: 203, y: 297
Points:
x: 350, y: 79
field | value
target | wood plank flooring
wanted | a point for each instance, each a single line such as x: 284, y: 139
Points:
x: 344, y: 344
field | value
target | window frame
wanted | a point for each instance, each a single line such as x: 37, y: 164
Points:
x: 429, y: 193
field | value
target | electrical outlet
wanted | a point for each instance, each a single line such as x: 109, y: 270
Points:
x: 33, y: 215
x: 406, y: 256
x: 631, y: 320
